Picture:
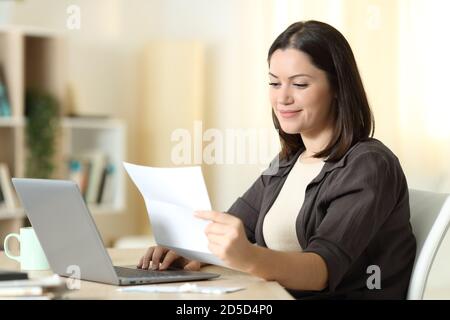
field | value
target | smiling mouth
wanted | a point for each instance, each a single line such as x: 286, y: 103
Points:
x: 288, y: 113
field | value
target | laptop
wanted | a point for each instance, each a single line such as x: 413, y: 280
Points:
x: 70, y: 239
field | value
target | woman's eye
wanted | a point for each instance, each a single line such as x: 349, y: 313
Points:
x: 273, y: 84
x: 301, y: 85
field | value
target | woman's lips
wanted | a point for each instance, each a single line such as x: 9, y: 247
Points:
x: 289, y: 113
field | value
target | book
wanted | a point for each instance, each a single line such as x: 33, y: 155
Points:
x: 79, y: 171
x: 19, y: 292
x: 12, y: 275
x: 97, y: 161
x: 5, y: 107
x: 102, y: 185
x: 87, y: 170
x: 6, y: 187
x: 106, y: 192
x: 2, y: 198
x: 76, y: 173
x: 52, y: 281
x: 51, y: 287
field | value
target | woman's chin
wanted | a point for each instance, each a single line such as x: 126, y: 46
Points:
x: 290, y: 130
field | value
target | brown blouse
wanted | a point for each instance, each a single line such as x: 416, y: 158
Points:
x: 355, y: 215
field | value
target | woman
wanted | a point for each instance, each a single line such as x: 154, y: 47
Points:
x: 331, y: 214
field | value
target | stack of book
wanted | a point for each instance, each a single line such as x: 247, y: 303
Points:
x: 5, y: 107
x: 94, y: 176
x: 48, y: 288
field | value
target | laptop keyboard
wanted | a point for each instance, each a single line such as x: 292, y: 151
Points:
x: 142, y: 273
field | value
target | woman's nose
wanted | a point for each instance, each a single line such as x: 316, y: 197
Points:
x: 285, y: 96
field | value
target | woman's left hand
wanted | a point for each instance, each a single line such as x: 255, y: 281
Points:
x: 227, y: 239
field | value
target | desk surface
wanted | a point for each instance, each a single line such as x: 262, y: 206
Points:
x: 255, y: 288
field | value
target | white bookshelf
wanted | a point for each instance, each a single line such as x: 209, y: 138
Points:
x: 106, y: 136
x: 11, y: 122
x: 33, y: 57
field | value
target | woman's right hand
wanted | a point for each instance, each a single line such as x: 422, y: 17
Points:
x: 160, y: 258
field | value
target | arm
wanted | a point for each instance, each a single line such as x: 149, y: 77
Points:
x: 293, y: 270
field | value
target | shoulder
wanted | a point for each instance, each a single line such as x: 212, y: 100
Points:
x: 368, y: 165
x: 368, y: 161
x: 371, y: 152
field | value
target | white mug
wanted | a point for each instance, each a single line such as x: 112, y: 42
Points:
x: 31, y: 257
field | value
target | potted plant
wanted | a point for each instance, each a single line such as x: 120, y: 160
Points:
x: 41, y: 132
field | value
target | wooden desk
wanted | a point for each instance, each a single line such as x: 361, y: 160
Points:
x: 255, y: 288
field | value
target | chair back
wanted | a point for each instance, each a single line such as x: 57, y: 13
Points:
x: 430, y: 218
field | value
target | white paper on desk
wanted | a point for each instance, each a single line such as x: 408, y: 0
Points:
x: 44, y: 282
x: 171, y: 196
x: 185, y: 288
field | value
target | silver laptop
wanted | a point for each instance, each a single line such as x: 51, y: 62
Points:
x: 69, y: 236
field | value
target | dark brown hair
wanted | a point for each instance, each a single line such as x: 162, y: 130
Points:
x: 330, y: 52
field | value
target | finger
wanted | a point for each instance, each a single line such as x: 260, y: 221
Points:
x: 147, y: 257
x: 141, y: 261
x: 193, y: 266
x: 216, y: 239
x: 170, y: 257
x: 216, y: 228
x: 219, y: 217
x: 157, y: 256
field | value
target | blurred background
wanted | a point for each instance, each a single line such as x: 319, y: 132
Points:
x: 125, y: 75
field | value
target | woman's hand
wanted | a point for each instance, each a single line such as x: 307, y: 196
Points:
x: 160, y: 258
x: 227, y: 239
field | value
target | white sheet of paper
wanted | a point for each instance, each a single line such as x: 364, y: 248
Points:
x: 171, y: 196
x: 185, y: 288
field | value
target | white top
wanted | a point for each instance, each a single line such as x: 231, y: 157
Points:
x: 279, y: 228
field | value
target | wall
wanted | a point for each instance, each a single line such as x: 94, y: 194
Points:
x: 105, y: 69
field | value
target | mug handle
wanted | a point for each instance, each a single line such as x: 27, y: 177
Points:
x: 5, y: 245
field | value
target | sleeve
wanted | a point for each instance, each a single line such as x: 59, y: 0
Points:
x: 360, y: 200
